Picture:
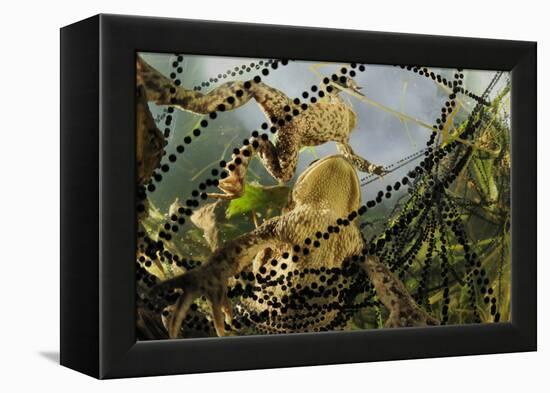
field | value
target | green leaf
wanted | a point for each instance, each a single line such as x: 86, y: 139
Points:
x: 257, y: 197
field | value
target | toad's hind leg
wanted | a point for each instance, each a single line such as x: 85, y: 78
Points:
x: 279, y: 160
x: 226, y: 97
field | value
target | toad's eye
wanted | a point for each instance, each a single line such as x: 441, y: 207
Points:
x: 313, y: 162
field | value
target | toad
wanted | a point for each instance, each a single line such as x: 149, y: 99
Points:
x: 297, y: 288
x: 298, y: 124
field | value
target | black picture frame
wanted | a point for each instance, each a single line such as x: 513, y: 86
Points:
x: 98, y: 222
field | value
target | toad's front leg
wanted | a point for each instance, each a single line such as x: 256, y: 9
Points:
x: 279, y: 160
x: 359, y: 162
x: 211, y: 279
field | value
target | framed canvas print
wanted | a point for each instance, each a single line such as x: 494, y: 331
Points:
x: 270, y: 196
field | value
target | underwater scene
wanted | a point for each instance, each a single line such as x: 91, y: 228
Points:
x: 283, y: 196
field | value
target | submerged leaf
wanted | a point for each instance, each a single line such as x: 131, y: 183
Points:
x: 257, y: 197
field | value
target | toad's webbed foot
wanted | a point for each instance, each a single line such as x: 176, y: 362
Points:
x: 233, y: 185
x: 210, y: 282
x: 376, y: 169
x: 211, y: 279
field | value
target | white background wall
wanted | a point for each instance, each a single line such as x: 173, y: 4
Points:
x: 29, y: 219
